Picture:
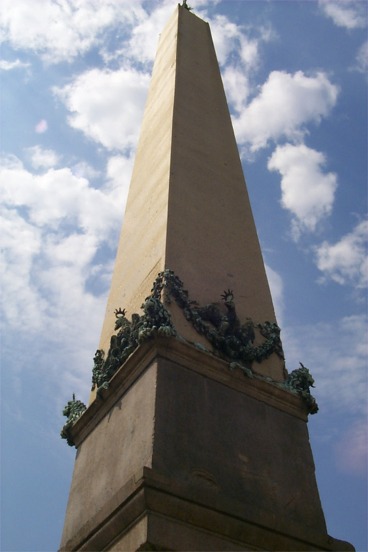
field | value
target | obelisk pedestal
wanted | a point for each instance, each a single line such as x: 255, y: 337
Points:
x: 184, y: 454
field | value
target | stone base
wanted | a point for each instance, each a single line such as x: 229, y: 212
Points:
x: 182, y: 453
x: 157, y: 516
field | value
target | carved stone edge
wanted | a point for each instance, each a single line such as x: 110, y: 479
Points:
x: 188, y: 356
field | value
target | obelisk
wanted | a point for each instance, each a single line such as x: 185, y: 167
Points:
x: 194, y: 439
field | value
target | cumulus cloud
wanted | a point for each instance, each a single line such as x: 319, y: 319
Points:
x: 231, y: 39
x: 107, y: 106
x: 225, y: 35
x: 118, y: 171
x: 238, y: 50
x: 56, y: 231
x: 85, y: 170
x: 58, y: 197
x: 42, y: 158
x: 345, y: 261
x: 118, y: 175
x: 144, y: 38
x: 349, y: 14
x: 236, y: 84
x: 21, y: 243
x: 285, y: 103
x: 307, y: 192
x: 59, y: 31
x: 44, y: 283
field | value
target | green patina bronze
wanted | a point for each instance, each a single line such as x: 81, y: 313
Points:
x: 185, y: 5
x: 230, y: 339
x: 155, y: 321
x: 300, y: 381
x: 73, y: 411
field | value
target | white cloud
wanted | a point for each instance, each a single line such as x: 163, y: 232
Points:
x: 75, y: 249
x: 236, y: 85
x: 10, y: 65
x: 235, y: 41
x: 10, y: 162
x: 350, y: 14
x: 249, y: 52
x: 56, y: 198
x: 118, y: 175
x: 144, y: 39
x: 95, y: 97
x: 52, y: 227
x: 42, y: 158
x: 118, y: 172
x: 362, y: 58
x: 284, y: 105
x: 59, y: 31
x: 306, y: 191
x: 346, y: 262
x: 85, y: 170
x: 107, y: 106
x: 225, y: 35
x: 21, y: 243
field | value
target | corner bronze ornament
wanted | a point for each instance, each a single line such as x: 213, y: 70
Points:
x: 154, y: 322
x: 231, y: 340
x: 185, y: 5
x: 300, y: 381
x: 73, y: 411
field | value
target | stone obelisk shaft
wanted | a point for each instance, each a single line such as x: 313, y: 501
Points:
x: 188, y: 208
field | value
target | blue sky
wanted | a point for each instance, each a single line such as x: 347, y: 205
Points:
x: 74, y: 76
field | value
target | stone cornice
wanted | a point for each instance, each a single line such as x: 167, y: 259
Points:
x: 191, y: 358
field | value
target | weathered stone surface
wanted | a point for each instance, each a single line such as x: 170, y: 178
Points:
x: 119, y: 445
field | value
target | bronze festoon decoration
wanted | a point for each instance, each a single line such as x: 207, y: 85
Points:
x: 230, y: 339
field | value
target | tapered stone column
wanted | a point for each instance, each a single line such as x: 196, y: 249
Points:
x: 188, y: 209
x: 188, y: 446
